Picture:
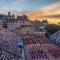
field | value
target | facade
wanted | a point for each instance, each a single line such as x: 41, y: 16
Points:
x: 21, y: 26
x: 26, y: 27
x: 40, y: 25
x: 6, y: 18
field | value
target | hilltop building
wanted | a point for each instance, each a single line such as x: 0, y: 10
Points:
x: 21, y: 25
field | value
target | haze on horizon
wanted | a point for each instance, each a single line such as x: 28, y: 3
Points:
x: 35, y: 9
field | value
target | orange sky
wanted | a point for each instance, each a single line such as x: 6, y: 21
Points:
x: 51, y: 13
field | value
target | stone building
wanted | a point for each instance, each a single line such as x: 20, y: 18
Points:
x: 21, y: 26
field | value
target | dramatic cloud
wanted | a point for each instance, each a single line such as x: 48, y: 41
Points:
x: 52, y: 6
x: 20, y: 5
x: 50, y: 11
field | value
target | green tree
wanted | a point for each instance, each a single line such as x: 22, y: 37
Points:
x: 52, y: 28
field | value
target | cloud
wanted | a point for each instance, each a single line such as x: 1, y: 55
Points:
x: 50, y: 11
x: 50, y: 16
x: 51, y: 6
x: 25, y: 1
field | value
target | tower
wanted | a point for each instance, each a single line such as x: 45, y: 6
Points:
x: 8, y: 13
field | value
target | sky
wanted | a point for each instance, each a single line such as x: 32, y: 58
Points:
x: 35, y: 9
x: 19, y: 5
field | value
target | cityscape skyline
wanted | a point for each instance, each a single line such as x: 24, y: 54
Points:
x: 34, y: 9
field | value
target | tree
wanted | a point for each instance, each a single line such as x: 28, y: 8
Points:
x: 5, y: 24
x: 52, y: 28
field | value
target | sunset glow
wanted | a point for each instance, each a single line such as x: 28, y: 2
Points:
x: 34, y: 9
